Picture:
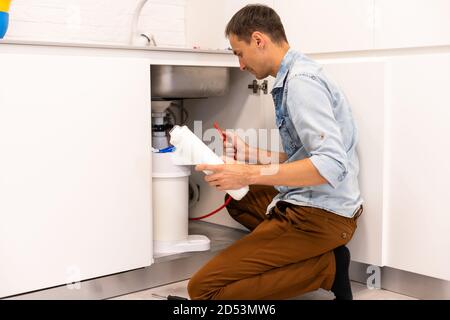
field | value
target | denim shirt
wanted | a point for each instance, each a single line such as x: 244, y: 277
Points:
x: 315, y: 121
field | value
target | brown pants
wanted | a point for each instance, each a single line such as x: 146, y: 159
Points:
x: 288, y: 253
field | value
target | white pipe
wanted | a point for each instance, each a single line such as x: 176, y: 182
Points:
x: 134, y: 22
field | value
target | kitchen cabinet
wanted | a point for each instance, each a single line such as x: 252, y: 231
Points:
x: 206, y: 30
x: 311, y: 26
x: 401, y: 123
x: 327, y: 25
x: 75, y: 169
x: 332, y: 26
x: 368, y: 103
x: 418, y: 225
x: 354, y: 25
x: 75, y: 165
x: 411, y: 23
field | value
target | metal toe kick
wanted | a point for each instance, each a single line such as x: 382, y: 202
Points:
x: 165, y: 270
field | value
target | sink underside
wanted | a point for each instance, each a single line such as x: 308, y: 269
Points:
x: 179, y: 82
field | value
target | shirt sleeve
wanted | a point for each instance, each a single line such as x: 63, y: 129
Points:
x: 311, y: 110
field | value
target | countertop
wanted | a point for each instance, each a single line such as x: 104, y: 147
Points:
x: 112, y: 46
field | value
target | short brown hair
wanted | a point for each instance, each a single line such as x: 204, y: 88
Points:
x: 256, y: 17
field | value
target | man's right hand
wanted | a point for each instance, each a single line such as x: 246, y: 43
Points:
x: 236, y: 148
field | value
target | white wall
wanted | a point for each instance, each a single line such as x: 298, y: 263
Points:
x: 96, y: 21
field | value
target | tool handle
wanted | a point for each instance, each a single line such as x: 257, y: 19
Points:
x: 170, y: 297
x: 222, y: 133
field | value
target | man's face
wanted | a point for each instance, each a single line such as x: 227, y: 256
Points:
x: 251, y: 56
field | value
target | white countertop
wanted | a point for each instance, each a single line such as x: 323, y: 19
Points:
x: 155, y: 55
x: 112, y: 46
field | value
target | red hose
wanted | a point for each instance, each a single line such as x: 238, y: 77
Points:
x: 227, y: 201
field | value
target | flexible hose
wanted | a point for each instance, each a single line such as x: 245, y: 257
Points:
x: 227, y: 201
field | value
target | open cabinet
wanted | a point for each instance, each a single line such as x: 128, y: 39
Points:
x: 240, y: 108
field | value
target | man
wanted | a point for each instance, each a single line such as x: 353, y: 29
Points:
x: 300, y: 227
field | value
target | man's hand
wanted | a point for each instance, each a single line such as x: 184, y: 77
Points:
x: 236, y: 148
x: 228, y: 176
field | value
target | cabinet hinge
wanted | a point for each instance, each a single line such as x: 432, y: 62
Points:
x: 256, y: 87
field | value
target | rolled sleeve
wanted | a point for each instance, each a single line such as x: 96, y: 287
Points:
x: 310, y: 107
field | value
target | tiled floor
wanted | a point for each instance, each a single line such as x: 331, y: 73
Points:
x: 360, y: 292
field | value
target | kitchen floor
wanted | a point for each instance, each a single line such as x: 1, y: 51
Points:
x: 222, y: 237
x: 360, y: 292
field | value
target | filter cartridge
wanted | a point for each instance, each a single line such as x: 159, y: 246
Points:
x: 190, y: 150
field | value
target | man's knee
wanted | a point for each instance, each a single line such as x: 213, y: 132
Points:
x: 197, y: 289
x: 193, y: 289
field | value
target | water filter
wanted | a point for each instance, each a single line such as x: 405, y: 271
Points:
x: 190, y: 150
x: 170, y: 203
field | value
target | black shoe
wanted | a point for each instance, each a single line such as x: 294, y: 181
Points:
x: 341, y: 287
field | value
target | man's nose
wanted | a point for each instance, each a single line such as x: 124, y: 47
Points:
x: 241, y: 65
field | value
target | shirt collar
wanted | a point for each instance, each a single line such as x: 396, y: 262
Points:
x: 285, y: 65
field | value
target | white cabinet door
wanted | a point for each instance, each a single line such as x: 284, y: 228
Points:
x: 75, y: 171
x: 206, y: 21
x: 411, y: 23
x: 401, y: 109
x: 418, y: 233
x: 327, y: 25
x: 367, y: 101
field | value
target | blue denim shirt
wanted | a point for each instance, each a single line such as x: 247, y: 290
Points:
x: 315, y: 121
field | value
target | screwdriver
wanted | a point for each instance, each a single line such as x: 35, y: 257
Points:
x: 169, y: 297
x: 221, y: 132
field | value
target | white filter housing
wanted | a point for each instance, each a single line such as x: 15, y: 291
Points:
x: 170, y: 200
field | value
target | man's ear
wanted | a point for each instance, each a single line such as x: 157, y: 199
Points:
x: 259, y: 38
